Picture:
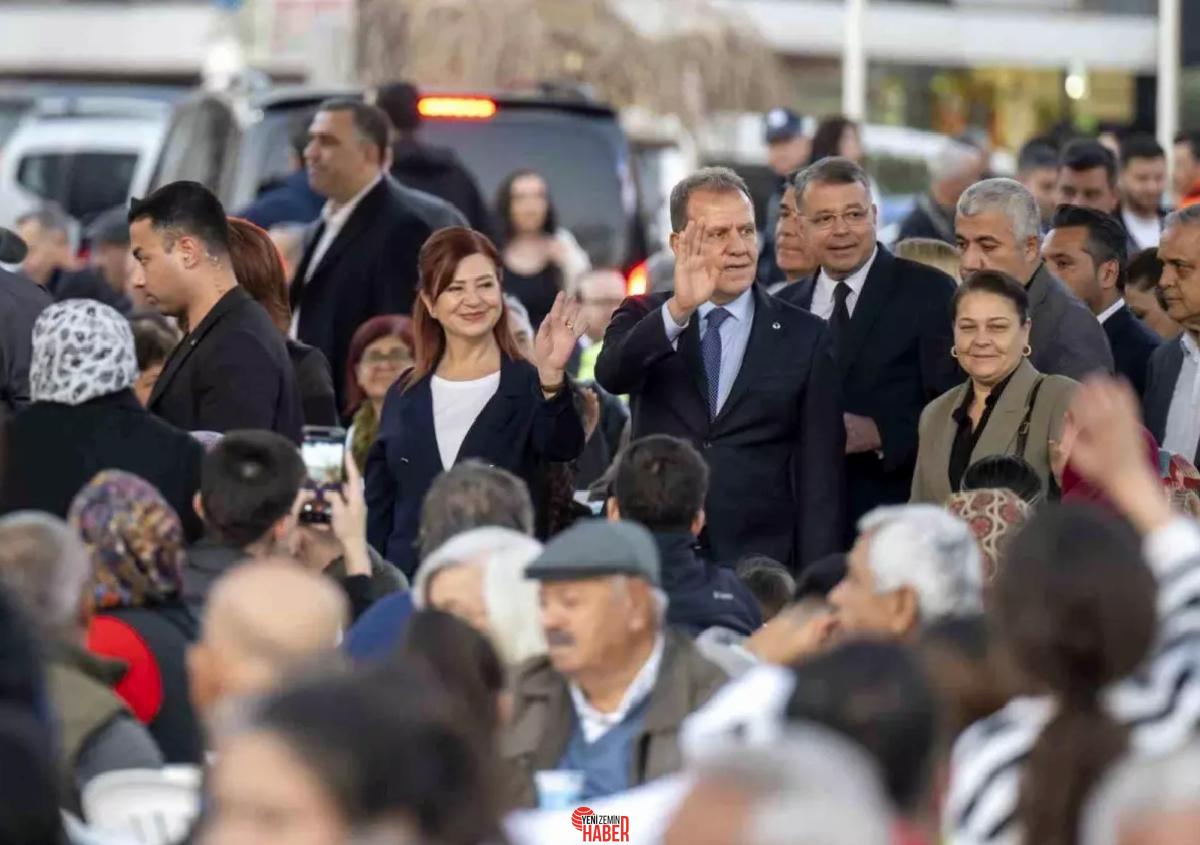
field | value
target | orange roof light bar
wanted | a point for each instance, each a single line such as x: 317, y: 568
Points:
x: 460, y: 108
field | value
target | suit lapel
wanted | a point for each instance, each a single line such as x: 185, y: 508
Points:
x: 1158, y: 406
x: 360, y: 220
x: 875, y: 295
x: 188, y: 344
x: 496, y: 413
x: 417, y: 418
x: 1000, y: 434
x: 943, y: 438
x: 689, y: 348
x: 312, y: 237
x: 803, y: 295
x: 759, y: 347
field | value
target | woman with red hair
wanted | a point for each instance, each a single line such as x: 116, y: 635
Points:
x: 380, y: 351
x: 470, y: 394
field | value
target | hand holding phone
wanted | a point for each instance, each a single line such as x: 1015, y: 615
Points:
x: 324, y: 453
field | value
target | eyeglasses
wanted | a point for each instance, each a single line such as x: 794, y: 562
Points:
x: 853, y: 218
x: 396, y: 356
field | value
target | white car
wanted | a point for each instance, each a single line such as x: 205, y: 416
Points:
x: 87, y: 154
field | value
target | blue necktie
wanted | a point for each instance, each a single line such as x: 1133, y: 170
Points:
x: 710, y: 353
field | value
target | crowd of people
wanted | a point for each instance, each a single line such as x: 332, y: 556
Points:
x: 829, y: 540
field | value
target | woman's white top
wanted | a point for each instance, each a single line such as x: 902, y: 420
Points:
x: 456, y: 404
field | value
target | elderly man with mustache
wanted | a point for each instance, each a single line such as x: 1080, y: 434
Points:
x: 607, y: 701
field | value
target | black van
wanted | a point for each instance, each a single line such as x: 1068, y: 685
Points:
x: 238, y: 147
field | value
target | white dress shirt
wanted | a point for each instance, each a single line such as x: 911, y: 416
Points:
x: 595, y: 724
x: 735, y: 334
x: 822, y: 301
x: 334, y: 220
x: 1110, y: 310
x: 1183, y: 420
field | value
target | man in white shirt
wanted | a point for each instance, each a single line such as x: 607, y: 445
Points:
x: 1142, y: 182
x: 609, y: 698
x: 1085, y: 249
x: 1172, y: 400
x: 360, y: 257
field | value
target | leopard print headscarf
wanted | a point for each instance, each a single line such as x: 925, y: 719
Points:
x: 82, y: 349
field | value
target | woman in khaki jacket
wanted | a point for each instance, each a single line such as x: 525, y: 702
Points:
x: 1005, y: 407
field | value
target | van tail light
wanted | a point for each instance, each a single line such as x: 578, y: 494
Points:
x: 457, y: 108
x: 637, y: 282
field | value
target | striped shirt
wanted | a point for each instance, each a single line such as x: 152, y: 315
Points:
x: 1160, y: 704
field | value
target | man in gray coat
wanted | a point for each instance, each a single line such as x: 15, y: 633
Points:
x: 997, y: 227
x: 21, y: 301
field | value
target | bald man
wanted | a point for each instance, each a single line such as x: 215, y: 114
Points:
x: 263, y: 620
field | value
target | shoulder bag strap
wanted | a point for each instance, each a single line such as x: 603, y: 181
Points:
x: 1023, y: 431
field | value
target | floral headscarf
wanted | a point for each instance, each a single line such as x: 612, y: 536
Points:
x: 134, y: 537
x: 82, y: 349
x: 993, y: 516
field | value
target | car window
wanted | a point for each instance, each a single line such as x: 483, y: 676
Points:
x: 98, y: 182
x: 196, y: 145
x: 44, y: 174
x: 579, y: 157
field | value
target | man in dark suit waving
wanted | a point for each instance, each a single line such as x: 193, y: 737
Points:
x: 360, y: 258
x: 747, y: 379
x: 890, y: 320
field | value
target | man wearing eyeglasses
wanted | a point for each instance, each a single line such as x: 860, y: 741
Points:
x: 890, y: 322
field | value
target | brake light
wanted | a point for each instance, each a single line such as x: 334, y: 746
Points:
x: 638, y: 280
x: 460, y: 108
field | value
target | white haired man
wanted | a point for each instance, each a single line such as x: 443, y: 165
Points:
x: 47, y: 568
x: 953, y: 168
x: 912, y: 565
x: 998, y: 227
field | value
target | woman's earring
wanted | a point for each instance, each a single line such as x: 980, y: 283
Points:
x: 1027, y: 351
x: 953, y: 351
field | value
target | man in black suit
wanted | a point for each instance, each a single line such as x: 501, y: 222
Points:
x: 998, y: 227
x: 1172, y: 400
x: 890, y: 320
x: 1085, y: 249
x: 745, y: 378
x: 231, y: 370
x: 360, y: 258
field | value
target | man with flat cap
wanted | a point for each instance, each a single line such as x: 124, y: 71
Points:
x: 21, y: 301
x: 609, y: 698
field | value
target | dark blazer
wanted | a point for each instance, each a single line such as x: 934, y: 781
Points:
x: 232, y: 371
x: 516, y: 429
x: 1066, y: 337
x: 1163, y: 372
x: 1132, y: 345
x: 53, y: 450
x: 894, y: 360
x: 315, y: 383
x: 21, y: 302
x: 775, y: 449
x: 368, y: 270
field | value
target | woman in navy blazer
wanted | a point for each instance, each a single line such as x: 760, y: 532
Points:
x: 470, y: 393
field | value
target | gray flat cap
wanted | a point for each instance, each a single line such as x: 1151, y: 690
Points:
x: 595, y: 548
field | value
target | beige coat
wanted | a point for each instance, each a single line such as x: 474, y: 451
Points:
x: 931, y: 481
x: 537, y: 735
